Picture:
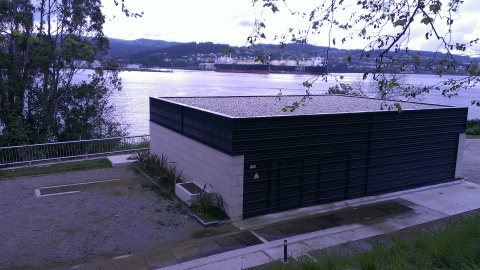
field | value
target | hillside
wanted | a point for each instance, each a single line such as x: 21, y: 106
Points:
x: 120, y: 47
x: 150, y: 53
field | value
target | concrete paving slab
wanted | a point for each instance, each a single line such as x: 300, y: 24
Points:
x: 160, y: 258
x: 120, y: 160
x: 293, y: 250
x: 306, y: 225
x: 289, y: 229
x: 185, y: 252
x: 450, y: 200
x: 240, y: 262
x: 130, y: 262
x: 209, y: 247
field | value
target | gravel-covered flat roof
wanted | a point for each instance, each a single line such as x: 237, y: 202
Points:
x: 255, y: 106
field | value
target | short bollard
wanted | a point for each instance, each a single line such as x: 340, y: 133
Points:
x: 285, y: 260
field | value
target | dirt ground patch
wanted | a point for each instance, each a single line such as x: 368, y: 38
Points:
x: 94, y: 224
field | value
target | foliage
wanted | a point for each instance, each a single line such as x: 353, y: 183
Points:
x: 384, y: 29
x: 206, y: 202
x: 455, y: 247
x: 345, y: 89
x: 166, y: 173
x: 43, y: 46
x: 57, y: 168
x: 473, y: 127
x: 176, y: 55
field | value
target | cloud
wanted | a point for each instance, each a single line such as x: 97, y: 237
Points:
x: 246, y: 23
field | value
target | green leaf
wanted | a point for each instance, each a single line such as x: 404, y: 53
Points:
x: 260, y: 59
x: 392, y: 85
x: 307, y: 84
x: 226, y: 51
x: 348, y: 59
x: 435, y: 8
x: 473, y: 71
x: 427, y: 20
x: 399, y: 107
x: 461, y: 47
x: 262, y: 25
x: 400, y: 22
x: 416, y: 58
x: 365, y: 75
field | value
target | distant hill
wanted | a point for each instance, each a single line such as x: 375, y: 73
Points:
x: 182, y: 55
x: 120, y: 47
x: 158, y: 53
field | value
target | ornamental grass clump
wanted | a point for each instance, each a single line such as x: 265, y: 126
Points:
x: 165, y: 172
x: 209, y: 204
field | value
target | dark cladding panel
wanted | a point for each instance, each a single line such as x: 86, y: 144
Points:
x: 166, y: 114
x: 337, y: 157
x: 209, y: 128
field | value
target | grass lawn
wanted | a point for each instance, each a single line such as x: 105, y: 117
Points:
x: 57, y: 168
x: 456, y: 247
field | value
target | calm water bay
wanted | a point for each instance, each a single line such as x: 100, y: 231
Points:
x: 133, y: 101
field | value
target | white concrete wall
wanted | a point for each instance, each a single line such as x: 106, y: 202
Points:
x: 461, y: 146
x: 202, y: 164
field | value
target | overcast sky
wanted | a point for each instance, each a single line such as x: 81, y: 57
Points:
x: 232, y: 21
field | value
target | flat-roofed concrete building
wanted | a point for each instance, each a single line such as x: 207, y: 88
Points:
x: 264, y: 158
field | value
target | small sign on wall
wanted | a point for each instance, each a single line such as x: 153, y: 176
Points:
x: 256, y: 176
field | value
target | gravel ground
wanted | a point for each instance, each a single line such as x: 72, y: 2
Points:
x: 271, y: 105
x: 48, y: 232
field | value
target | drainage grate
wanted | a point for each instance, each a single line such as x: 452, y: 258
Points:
x: 75, y: 188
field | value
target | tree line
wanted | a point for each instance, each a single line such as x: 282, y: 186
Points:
x: 43, y: 46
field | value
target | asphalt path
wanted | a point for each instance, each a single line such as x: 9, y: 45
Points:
x: 471, y: 161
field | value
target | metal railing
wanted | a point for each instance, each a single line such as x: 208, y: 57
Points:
x: 73, y: 149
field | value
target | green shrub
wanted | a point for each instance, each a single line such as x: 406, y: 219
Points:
x: 473, y: 127
x: 209, y: 203
x: 166, y: 173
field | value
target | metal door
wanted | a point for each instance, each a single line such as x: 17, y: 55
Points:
x: 282, y: 184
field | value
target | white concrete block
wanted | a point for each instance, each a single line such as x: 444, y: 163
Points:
x: 202, y: 164
x: 461, y: 147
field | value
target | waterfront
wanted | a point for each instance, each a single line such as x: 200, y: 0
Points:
x: 133, y: 101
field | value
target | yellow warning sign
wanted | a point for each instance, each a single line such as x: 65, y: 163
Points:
x: 256, y: 176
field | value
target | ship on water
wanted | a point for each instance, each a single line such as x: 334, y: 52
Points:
x: 228, y: 64
x: 315, y: 65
